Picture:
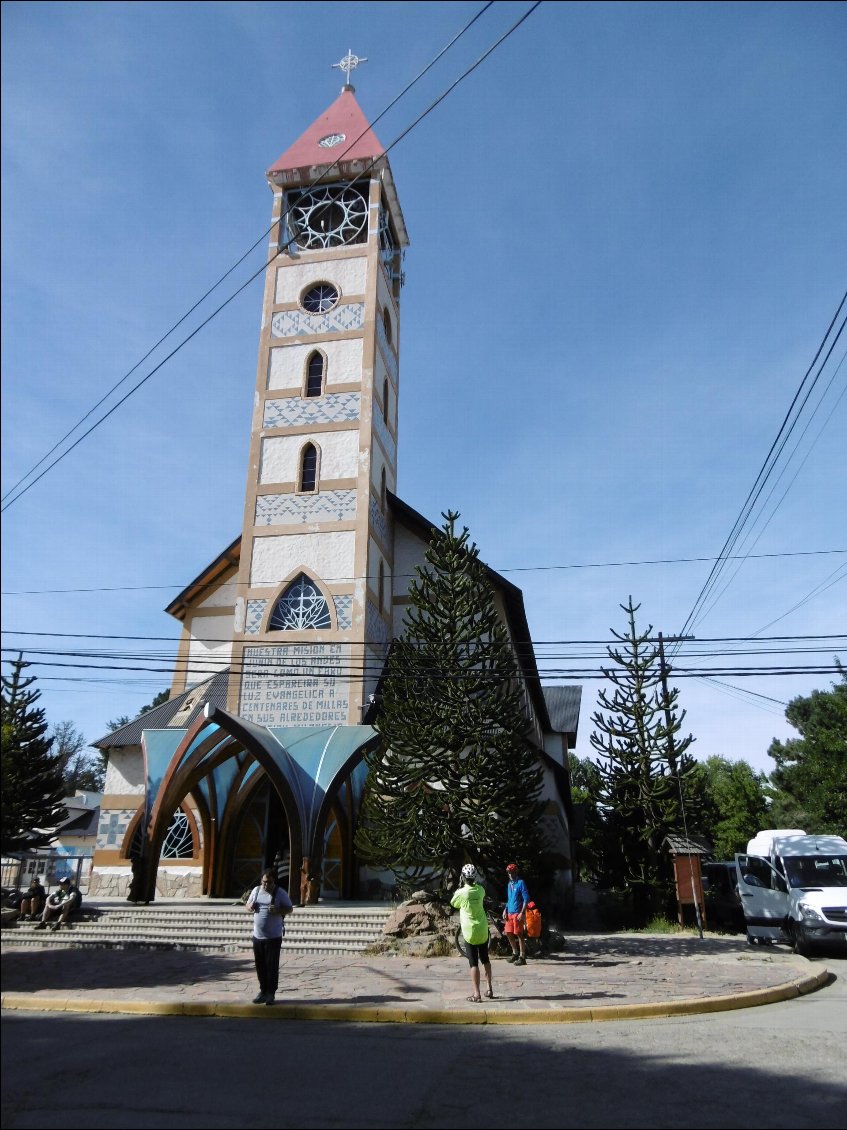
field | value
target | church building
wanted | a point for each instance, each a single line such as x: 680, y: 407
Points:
x: 256, y: 758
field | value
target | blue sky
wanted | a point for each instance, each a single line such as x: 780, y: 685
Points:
x: 628, y: 234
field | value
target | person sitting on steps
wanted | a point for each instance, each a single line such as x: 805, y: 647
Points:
x: 32, y: 903
x: 62, y: 903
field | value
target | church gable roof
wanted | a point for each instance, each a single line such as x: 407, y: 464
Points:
x: 344, y: 119
x: 178, y: 712
x: 563, y: 705
x: 512, y: 598
x: 222, y: 568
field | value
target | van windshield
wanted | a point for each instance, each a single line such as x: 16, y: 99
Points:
x: 816, y: 870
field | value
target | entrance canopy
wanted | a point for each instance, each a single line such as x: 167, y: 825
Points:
x: 218, y: 758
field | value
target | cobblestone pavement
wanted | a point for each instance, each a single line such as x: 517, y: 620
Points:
x: 598, y: 977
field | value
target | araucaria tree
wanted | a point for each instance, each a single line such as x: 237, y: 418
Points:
x: 32, y: 774
x: 455, y: 779
x: 642, y: 765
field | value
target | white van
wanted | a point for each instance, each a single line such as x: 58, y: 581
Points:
x: 793, y: 889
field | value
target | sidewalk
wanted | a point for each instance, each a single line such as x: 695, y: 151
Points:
x: 598, y: 977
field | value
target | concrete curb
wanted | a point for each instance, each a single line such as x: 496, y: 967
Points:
x: 368, y: 1015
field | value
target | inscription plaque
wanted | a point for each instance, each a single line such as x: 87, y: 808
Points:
x: 296, y: 685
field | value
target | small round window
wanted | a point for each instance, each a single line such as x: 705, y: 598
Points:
x: 318, y: 299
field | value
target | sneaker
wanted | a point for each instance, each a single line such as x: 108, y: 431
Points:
x: 56, y: 926
x: 512, y: 958
x: 260, y: 999
x: 520, y: 961
x: 41, y: 926
x: 269, y: 999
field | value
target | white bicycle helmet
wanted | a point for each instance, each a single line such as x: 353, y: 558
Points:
x: 469, y: 873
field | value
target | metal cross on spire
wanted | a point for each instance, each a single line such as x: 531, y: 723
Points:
x: 348, y: 64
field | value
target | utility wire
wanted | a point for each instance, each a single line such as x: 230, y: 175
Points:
x: 280, y: 250
x: 825, y: 584
x: 742, y: 558
x: 239, y: 261
x: 538, y: 643
x: 350, y: 580
x: 301, y: 667
x: 765, y: 470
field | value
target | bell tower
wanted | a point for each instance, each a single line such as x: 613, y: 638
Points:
x: 313, y: 611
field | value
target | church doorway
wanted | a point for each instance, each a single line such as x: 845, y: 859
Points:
x: 332, y: 876
x: 261, y: 837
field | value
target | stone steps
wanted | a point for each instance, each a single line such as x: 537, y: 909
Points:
x: 213, y: 928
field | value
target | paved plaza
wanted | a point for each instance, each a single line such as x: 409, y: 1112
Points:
x: 597, y: 977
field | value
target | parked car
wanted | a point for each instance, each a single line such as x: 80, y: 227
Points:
x: 723, y: 902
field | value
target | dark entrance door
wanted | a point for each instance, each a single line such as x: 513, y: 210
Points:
x: 262, y: 832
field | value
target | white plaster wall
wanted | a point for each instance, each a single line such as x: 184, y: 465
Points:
x: 374, y: 558
x: 339, y: 456
x: 385, y: 299
x: 347, y: 275
x: 556, y: 746
x: 330, y: 556
x: 125, y: 772
x: 288, y: 363
x: 409, y: 551
x: 380, y: 375
x: 377, y: 463
x: 205, y: 649
x: 221, y: 597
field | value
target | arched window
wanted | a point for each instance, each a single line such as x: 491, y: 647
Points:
x: 382, y: 488
x: 385, y: 400
x: 301, y: 606
x: 315, y: 372
x: 386, y: 324
x: 308, y: 468
x: 177, y: 844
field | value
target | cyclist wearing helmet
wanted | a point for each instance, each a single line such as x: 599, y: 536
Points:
x: 468, y: 900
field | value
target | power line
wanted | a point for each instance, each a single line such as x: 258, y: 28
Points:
x: 537, y: 644
x: 301, y: 667
x: 766, y: 469
x: 279, y: 251
x: 784, y: 495
x: 249, y: 251
x: 350, y: 580
x: 826, y: 583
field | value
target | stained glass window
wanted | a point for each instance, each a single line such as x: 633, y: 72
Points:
x: 178, y: 842
x: 301, y: 606
x: 318, y: 299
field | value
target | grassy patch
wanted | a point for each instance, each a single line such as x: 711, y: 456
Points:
x: 662, y: 925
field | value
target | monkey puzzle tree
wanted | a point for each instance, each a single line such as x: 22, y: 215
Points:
x: 455, y: 779
x: 32, y: 774
x: 643, y: 766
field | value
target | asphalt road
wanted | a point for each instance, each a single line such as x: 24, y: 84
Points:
x: 779, y: 1065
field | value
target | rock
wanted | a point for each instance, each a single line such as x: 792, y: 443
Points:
x: 417, y: 916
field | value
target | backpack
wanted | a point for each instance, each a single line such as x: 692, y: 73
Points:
x: 533, y: 921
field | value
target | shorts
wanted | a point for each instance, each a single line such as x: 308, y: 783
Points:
x: 514, y: 925
x: 477, y: 954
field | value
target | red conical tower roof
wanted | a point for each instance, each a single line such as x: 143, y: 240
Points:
x: 344, y: 119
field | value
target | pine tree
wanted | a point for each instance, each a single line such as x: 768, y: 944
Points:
x: 642, y: 765
x: 455, y: 779
x: 809, y: 782
x: 32, y: 775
